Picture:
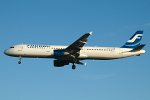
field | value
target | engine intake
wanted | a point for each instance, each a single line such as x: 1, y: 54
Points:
x: 60, y: 63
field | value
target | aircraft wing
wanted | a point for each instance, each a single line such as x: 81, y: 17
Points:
x: 72, y: 52
x: 78, y: 44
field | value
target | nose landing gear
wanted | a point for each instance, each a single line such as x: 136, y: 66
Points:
x: 19, y: 62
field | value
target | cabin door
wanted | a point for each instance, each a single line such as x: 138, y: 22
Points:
x: 48, y: 48
x: 20, y: 47
x: 121, y: 51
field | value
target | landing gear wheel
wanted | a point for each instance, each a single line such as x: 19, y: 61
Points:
x: 19, y: 62
x: 73, y: 67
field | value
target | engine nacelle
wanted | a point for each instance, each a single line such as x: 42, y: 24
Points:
x: 60, y: 53
x: 60, y: 63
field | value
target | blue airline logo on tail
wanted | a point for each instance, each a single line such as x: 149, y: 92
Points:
x: 134, y: 41
x: 135, y: 37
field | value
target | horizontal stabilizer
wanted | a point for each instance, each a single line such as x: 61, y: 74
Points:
x: 138, y: 48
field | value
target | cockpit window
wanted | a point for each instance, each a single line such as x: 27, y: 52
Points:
x: 11, y: 47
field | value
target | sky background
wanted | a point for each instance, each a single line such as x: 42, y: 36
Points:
x: 61, y: 22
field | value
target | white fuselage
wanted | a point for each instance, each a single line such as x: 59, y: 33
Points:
x: 47, y: 51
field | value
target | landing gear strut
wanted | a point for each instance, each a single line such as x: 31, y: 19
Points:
x: 73, y: 66
x: 19, y: 62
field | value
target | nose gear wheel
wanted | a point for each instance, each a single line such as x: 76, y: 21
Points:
x: 19, y: 62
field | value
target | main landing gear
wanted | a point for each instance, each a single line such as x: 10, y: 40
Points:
x: 73, y: 66
x: 19, y: 62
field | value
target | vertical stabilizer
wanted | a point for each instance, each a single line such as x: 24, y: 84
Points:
x: 134, y: 41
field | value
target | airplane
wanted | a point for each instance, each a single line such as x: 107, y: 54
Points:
x: 76, y: 52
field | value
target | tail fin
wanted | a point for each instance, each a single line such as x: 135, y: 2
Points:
x: 134, y: 41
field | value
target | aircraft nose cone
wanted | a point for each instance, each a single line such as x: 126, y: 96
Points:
x: 6, y: 52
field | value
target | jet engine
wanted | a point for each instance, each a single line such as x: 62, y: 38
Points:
x: 60, y: 63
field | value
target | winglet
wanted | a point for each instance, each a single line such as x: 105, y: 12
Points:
x: 138, y: 48
x: 85, y: 63
x: 91, y: 32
